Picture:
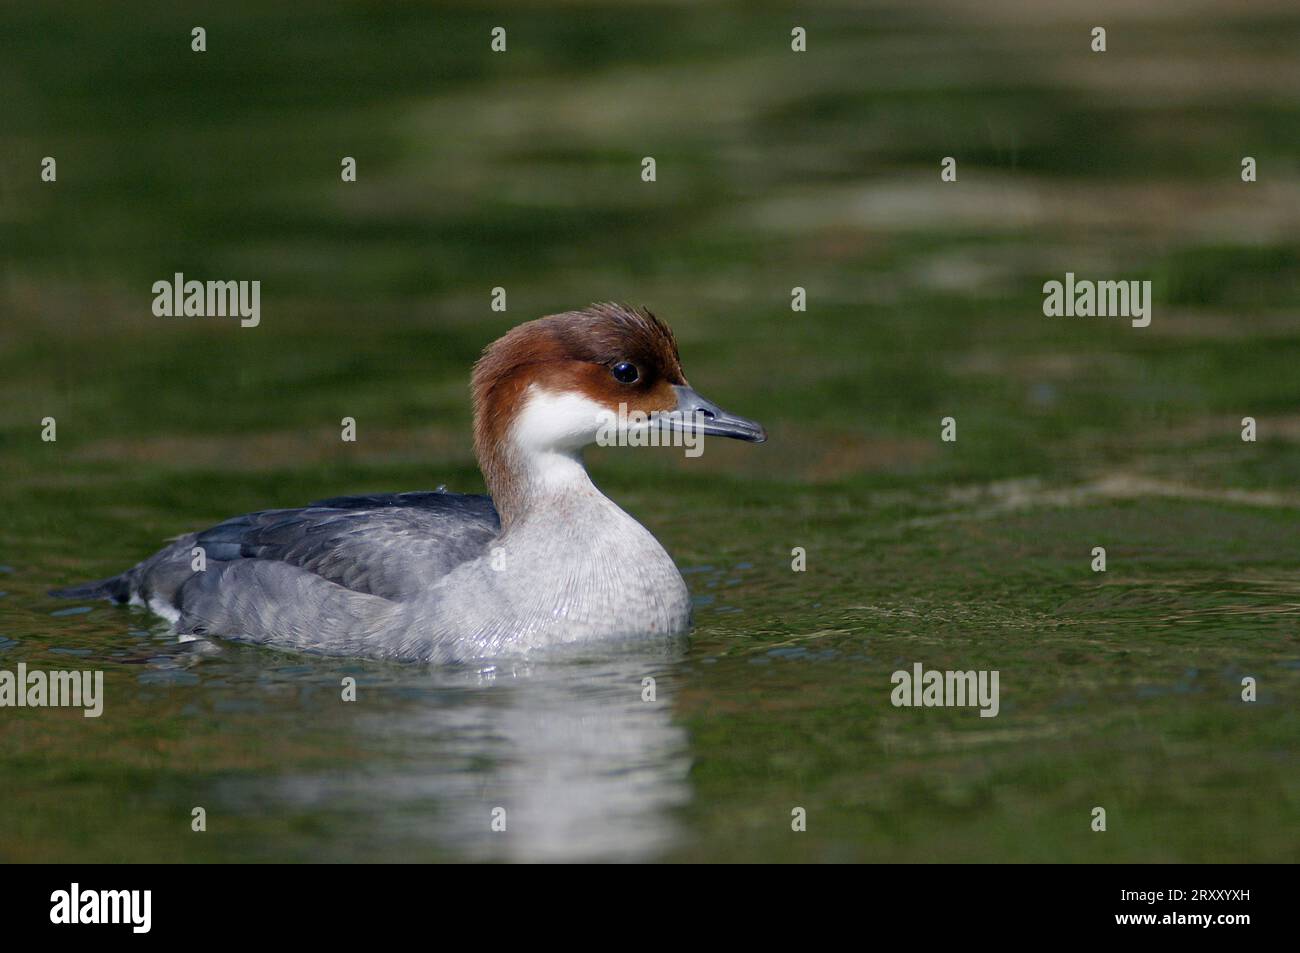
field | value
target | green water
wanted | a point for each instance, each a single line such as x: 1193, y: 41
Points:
x: 1119, y: 689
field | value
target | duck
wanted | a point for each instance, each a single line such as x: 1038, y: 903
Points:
x: 544, y: 559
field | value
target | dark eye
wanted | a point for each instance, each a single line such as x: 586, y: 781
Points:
x: 625, y: 373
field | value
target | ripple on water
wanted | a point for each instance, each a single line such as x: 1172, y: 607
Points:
x: 789, y: 652
x: 237, y: 706
x: 168, y: 677
x: 75, y: 610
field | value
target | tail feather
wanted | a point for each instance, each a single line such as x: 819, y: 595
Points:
x: 116, y: 588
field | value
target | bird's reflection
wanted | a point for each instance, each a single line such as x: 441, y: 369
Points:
x: 572, y: 760
x: 567, y: 758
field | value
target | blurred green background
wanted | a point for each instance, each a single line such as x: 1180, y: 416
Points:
x: 775, y: 170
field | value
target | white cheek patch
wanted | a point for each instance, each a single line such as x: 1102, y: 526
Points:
x: 557, y: 421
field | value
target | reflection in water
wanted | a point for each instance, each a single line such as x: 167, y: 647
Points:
x: 583, y: 767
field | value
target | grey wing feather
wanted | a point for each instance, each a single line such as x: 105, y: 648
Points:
x: 392, y: 545
x: 256, y: 600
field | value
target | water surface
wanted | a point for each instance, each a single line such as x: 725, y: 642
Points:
x: 776, y: 170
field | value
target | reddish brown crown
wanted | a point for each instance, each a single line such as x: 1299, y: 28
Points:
x: 571, y: 352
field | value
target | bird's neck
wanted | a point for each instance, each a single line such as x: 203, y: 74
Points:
x: 585, y: 561
x: 549, y: 487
